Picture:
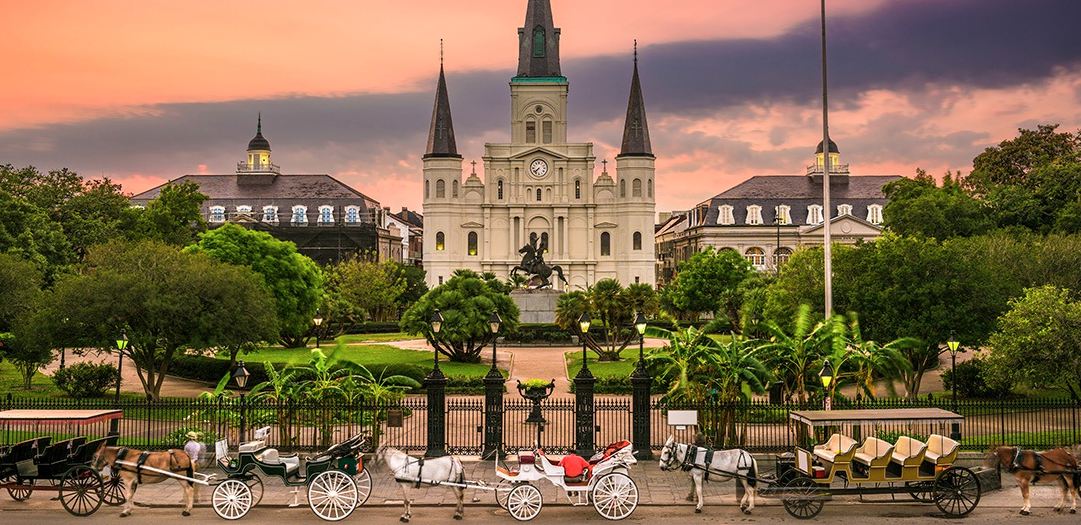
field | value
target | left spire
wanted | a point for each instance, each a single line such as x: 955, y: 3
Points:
x: 441, y: 134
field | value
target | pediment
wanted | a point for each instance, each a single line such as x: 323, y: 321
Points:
x: 538, y: 149
x: 847, y: 225
x: 472, y: 224
x: 606, y: 225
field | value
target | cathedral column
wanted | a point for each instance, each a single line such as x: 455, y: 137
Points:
x: 566, y: 238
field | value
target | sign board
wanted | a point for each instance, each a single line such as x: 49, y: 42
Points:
x: 681, y: 419
x: 395, y: 418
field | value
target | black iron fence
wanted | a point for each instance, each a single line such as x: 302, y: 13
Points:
x: 759, y: 427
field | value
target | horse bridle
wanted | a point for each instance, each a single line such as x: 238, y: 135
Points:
x: 673, y: 451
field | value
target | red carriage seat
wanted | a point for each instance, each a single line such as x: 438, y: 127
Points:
x: 608, y: 451
x: 574, y: 466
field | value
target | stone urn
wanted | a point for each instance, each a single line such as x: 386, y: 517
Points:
x: 536, y: 390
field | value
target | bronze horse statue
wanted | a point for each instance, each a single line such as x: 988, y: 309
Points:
x: 534, y: 265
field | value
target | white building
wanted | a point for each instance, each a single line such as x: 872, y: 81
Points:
x: 539, y: 185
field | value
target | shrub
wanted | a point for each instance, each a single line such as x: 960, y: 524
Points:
x: 83, y: 380
x: 373, y: 328
x: 972, y: 380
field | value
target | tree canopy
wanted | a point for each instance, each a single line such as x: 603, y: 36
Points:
x: 612, y: 307
x: 708, y: 283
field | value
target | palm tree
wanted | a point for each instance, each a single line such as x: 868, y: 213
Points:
x: 737, y: 373
x: 682, y: 364
x: 861, y: 361
x: 280, y: 388
x: 796, y: 356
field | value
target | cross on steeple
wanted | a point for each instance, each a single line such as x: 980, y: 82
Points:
x: 636, y: 127
x: 605, y: 163
x: 440, y: 128
x: 474, y: 163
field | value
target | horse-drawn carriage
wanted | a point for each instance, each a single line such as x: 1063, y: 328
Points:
x: 335, y: 478
x: 61, y: 466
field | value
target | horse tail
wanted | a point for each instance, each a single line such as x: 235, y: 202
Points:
x: 559, y: 271
x: 752, y: 474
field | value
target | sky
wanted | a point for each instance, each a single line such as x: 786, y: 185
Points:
x: 144, y: 92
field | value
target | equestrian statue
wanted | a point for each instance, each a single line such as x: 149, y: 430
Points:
x: 533, y: 265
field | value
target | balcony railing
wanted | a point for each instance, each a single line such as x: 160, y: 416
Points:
x: 839, y: 169
x: 242, y: 167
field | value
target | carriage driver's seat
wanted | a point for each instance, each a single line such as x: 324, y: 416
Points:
x: 221, y: 453
x: 270, y: 456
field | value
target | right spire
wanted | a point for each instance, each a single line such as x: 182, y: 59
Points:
x: 636, y: 130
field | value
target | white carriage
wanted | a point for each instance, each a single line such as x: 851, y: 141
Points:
x: 603, y: 480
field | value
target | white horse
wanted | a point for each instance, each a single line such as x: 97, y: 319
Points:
x: 412, y: 473
x: 725, y: 464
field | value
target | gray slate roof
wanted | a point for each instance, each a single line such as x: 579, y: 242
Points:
x: 635, y: 129
x: 799, y: 192
x: 441, y: 133
x: 538, y: 13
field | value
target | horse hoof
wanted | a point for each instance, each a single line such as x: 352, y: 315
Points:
x: 125, y: 514
x: 747, y: 511
x: 403, y: 519
x: 185, y: 514
x: 697, y: 511
x: 1073, y: 511
x: 458, y: 517
x: 1025, y: 513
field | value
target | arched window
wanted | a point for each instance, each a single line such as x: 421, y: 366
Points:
x: 606, y: 244
x: 472, y: 244
x: 440, y: 189
x: 427, y: 189
x: 540, y: 44
x: 622, y: 188
x: 754, y: 215
x: 300, y: 215
x: 781, y: 256
x: 244, y: 210
x: 756, y: 256
x: 543, y: 246
x: 844, y: 209
x: 637, y: 241
x: 874, y: 214
x: 217, y: 214
x: 533, y: 238
x: 539, y: 194
x: 649, y: 182
x: 546, y: 131
x: 352, y: 215
x: 454, y: 189
x: 499, y: 189
x: 726, y: 217
x: 270, y: 214
x: 531, y: 131
x: 440, y: 241
x: 636, y: 188
x: 814, y: 214
x: 577, y: 188
x: 783, y: 214
x: 326, y: 215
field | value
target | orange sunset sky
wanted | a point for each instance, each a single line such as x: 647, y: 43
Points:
x: 145, y: 91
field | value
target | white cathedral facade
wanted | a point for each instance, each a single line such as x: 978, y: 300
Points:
x: 540, y: 187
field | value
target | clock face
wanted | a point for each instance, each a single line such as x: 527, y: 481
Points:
x: 538, y: 168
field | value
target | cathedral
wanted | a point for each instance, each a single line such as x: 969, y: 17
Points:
x: 539, y: 189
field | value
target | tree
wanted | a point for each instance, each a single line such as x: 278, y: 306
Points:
x: 415, y: 285
x: 295, y: 281
x: 1038, y: 341
x: 27, y: 354
x: 370, y: 289
x: 466, y: 301
x: 168, y: 302
x: 99, y: 212
x: 860, y: 361
x: 28, y: 232
x: 20, y: 284
x: 708, y: 282
x: 795, y: 356
x: 920, y: 207
x: 1012, y: 161
x: 176, y: 216
x: 612, y: 307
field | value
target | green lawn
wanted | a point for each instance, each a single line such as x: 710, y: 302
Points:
x: 375, y: 338
x: 41, y: 387
x: 369, y: 355
x: 621, y: 368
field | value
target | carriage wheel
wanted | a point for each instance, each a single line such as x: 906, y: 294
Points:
x: 114, y: 491
x: 81, y: 491
x: 255, y: 483
x: 524, y: 502
x: 922, y: 491
x: 502, y: 490
x: 364, y: 486
x: 332, y: 495
x: 957, y: 492
x: 20, y: 493
x: 232, y: 499
x: 615, y: 496
x: 802, y: 498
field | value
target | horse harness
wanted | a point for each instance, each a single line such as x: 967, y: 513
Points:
x: 123, y: 453
x: 690, y: 462
x: 1039, y: 471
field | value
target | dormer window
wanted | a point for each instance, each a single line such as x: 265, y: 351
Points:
x: 270, y: 214
x: 784, y: 214
x: 814, y: 214
x: 352, y: 215
x: 300, y: 215
x: 326, y: 215
x: 217, y: 214
x: 754, y: 215
x: 874, y: 214
x: 243, y: 210
x: 844, y: 209
x: 726, y: 217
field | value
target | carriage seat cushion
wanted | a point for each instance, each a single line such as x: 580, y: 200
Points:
x: 574, y: 466
x: 872, y: 449
x: 292, y: 464
x: 837, y: 445
x: 252, y: 446
x: 906, y: 449
x: 609, y: 451
x: 939, y: 446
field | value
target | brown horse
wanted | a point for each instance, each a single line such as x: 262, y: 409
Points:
x: 170, y: 461
x: 1030, y: 466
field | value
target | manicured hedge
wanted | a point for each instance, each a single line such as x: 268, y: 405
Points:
x: 373, y: 328
x: 618, y: 385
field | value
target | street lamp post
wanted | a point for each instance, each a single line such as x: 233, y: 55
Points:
x: 318, y: 321
x: 826, y: 375
x: 493, y: 397
x: 240, y: 377
x: 121, y: 346
x: 436, y: 385
x: 954, y: 347
x: 641, y: 384
x: 584, y: 385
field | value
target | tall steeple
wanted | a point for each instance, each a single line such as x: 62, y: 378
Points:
x: 538, y: 42
x: 636, y: 130
x: 441, y: 134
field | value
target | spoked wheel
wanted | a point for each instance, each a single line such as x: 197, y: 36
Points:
x: 524, y: 502
x: 20, y: 493
x: 502, y: 490
x: 802, y: 498
x: 114, y: 493
x: 81, y: 491
x: 232, y: 499
x: 957, y: 492
x: 615, y: 496
x: 364, y: 486
x: 922, y: 491
x: 255, y: 483
x: 332, y: 495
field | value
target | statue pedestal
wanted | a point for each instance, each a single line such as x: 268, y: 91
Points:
x: 536, y: 306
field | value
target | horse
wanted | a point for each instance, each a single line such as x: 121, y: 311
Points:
x: 533, y: 264
x: 170, y: 460
x: 1029, y: 466
x: 704, y: 462
x: 412, y: 473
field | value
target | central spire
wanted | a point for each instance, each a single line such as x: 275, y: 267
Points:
x: 538, y: 42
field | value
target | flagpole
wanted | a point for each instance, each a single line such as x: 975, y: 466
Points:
x: 826, y: 207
